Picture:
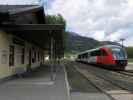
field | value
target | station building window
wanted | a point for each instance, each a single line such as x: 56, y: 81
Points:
x: 38, y: 56
x: 11, y: 56
x: 22, y: 56
x: 35, y: 55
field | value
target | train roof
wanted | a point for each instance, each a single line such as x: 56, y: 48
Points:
x: 107, y: 46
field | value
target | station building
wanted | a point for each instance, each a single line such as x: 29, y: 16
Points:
x: 25, y: 39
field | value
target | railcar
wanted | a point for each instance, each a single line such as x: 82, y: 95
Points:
x: 112, y: 56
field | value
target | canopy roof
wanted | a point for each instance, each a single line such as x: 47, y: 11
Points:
x: 34, y: 32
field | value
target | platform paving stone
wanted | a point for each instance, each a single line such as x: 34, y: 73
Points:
x: 36, y: 87
x: 130, y: 66
x: 88, y: 96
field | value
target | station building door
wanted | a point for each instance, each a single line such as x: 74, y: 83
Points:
x: 30, y: 61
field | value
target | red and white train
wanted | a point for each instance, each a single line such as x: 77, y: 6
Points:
x: 108, y: 55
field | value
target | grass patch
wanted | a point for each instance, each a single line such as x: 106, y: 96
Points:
x: 130, y: 60
x: 77, y: 82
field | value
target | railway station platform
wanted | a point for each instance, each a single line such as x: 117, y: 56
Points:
x: 130, y: 66
x: 37, y: 86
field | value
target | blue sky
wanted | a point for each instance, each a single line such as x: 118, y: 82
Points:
x: 99, y: 19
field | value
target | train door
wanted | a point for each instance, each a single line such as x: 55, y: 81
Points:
x: 104, y: 57
x: 99, y: 56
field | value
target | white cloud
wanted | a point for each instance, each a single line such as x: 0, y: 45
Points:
x: 99, y: 35
x: 100, y: 19
x: 129, y: 42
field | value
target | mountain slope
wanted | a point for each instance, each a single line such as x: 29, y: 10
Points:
x: 76, y: 43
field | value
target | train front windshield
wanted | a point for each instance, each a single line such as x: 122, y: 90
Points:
x: 119, y: 53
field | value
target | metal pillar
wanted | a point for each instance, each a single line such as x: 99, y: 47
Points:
x: 122, y: 41
x: 51, y: 58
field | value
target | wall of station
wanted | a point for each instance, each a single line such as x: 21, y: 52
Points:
x: 17, y: 55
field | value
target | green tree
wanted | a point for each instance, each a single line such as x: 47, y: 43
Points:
x: 57, y: 19
x: 129, y: 52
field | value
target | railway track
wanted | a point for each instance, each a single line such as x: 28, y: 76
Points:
x: 121, y: 79
x: 127, y: 73
x: 108, y: 82
x: 98, y: 87
x: 95, y: 85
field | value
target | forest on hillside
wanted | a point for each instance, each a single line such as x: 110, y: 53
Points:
x: 129, y: 52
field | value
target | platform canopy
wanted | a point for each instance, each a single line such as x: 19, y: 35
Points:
x: 37, y: 33
x: 17, y: 20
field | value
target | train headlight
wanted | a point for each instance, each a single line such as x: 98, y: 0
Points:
x: 115, y: 57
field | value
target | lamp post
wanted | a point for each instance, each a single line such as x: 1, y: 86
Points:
x: 122, y: 41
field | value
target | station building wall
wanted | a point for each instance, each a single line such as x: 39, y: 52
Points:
x: 16, y: 55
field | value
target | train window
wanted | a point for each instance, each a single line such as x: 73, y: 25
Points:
x: 92, y: 53
x: 119, y: 53
x: 96, y: 53
x: 85, y: 55
x: 79, y: 57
